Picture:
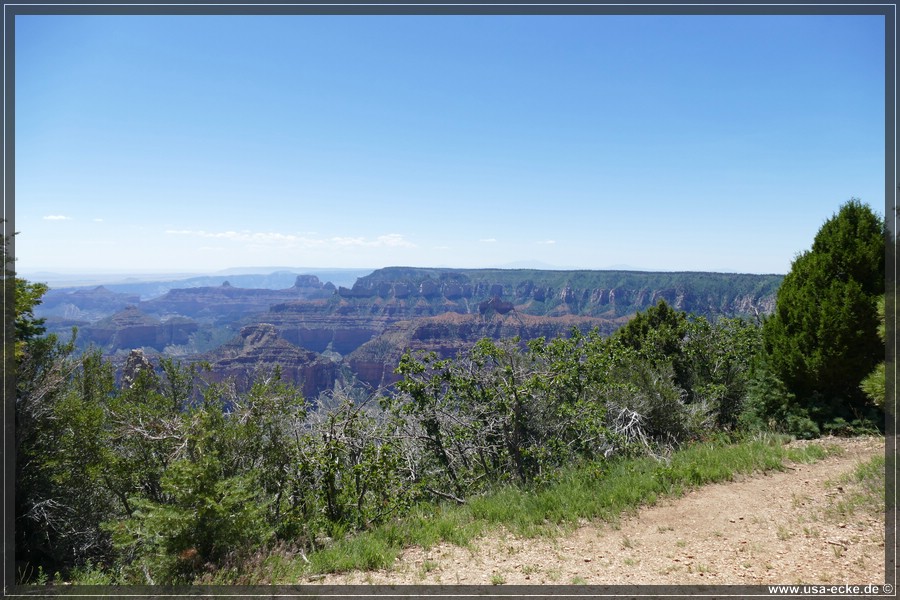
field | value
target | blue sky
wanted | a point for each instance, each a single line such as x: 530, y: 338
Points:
x: 197, y: 143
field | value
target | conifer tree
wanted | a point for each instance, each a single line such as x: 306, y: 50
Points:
x: 823, y: 338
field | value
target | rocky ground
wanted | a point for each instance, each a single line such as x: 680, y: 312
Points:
x: 780, y: 528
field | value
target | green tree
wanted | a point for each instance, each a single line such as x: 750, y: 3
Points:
x: 502, y: 412
x: 57, y: 505
x: 26, y: 295
x: 658, y: 333
x: 874, y: 385
x: 28, y: 327
x: 823, y: 338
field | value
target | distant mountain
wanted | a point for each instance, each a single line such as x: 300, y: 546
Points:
x: 132, y: 328
x: 84, y: 304
x: 86, y: 279
x: 152, y: 288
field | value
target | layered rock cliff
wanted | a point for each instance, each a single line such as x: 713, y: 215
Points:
x: 258, y: 349
x: 84, y: 305
x: 314, y: 330
x: 552, y: 293
x: 131, y: 328
x: 229, y: 303
x: 354, y: 316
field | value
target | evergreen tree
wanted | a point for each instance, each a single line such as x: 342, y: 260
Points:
x: 823, y: 338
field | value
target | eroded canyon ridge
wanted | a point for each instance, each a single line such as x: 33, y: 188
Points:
x: 320, y: 333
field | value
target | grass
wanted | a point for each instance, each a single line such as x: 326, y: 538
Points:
x: 865, y: 490
x: 581, y: 492
x: 366, y: 552
x: 427, y: 567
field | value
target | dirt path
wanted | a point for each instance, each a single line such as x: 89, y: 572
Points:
x: 777, y: 528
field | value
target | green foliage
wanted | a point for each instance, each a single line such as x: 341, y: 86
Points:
x: 27, y: 327
x: 647, y: 403
x: 658, y: 331
x: 59, y: 445
x: 823, y: 338
x: 24, y: 296
x: 659, y: 334
x: 207, y: 477
x: 351, y: 469
x: 689, y: 376
x: 873, y: 386
x: 771, y: 407
x: 501, y: 412
x: 720, y: 359
x: 204, y: 515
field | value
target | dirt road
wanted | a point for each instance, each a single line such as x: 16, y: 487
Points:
x: 784, y: 527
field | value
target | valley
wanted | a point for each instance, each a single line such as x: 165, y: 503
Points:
x: 320, y: 333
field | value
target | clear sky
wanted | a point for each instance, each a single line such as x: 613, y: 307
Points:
x: 197, y: 143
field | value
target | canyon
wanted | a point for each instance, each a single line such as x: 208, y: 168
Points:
x: 319, y: 333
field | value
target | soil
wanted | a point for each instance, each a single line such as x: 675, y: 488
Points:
x: 777, y: 528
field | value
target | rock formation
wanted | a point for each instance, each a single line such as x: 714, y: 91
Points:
x: 313, y: 330
x: 89, y: 304
x: 226, y: 302
x: 131, y: 328
x: 135, y: 364
x: 258, y: 348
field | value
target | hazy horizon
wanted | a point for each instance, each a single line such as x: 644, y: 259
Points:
x: 82, y: 278
x: 672, y: 143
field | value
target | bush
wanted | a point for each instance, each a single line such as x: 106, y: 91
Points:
x: 203, y: 517
x: 771, y: 407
